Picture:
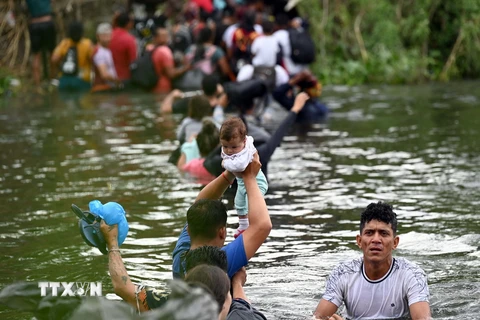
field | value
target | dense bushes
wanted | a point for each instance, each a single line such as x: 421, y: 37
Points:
x: 394, y: 41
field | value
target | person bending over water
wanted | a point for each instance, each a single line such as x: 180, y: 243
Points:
x: 237, y: 153
x: 377, y: 285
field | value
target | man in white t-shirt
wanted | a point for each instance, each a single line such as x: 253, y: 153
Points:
x: 265, y: 49
x: 105, y: 74
x: 376, y: 286
x: 283, y: 39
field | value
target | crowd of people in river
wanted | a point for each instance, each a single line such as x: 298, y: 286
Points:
x: 249, y: 54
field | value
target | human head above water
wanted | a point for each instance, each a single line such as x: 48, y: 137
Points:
x: 199, y: 107
x: 75, y: 31
x: 104, y: 34
x: 380, y: 211
x: 214, y: 280
x: 233, y: 133
x: 210, y: 255
x: 207, y: 138
x: 207, y: 221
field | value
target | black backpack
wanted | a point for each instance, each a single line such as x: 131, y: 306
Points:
x: 266, y: 74
x: 303, y: 48
x: 70, y: 63
x: 142, y: 71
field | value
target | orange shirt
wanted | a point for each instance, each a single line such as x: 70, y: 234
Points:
x: 162, y: 58
x: 84, y: 54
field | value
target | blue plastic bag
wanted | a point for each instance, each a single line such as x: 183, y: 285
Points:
x: 112, y: 213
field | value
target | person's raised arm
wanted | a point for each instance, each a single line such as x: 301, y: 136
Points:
x: 215, y: 189
x: 420, y: 311
x: 238, y: 281
x: 260, y: 224
x: 326, y: 310
x: 122, y: 285
x: 167, y: 104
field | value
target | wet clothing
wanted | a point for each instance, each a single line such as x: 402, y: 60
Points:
x: 196, y: 169
x: 313, y: 110
x: 386, y: 298
x: 242, y: 310
x: 235, y: 250
x: 213, y: 162
x: 153, y: 298
x: 124, y: 52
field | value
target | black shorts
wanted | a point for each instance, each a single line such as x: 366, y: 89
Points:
x: 43, y: 36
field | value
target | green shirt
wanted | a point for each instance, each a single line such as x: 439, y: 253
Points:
x: 39, y: 8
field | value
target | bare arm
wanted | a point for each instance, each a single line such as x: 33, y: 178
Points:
x: 122, y: 285
x: 420, y: 311
x: 167, y: 104
x: 325, y: 309
x: 215, y: 189
x: 238, y: 281
x: 172, y: 73
x: 225, y: 68
x: 260, y: 224
x: 181, y: 161
x: 104, y: 74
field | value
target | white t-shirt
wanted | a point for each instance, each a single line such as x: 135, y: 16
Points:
x: 103, y: 56
x: 228, y: 33
x: 284, y: 40
x: 265, y: 50
x: 386, y: 298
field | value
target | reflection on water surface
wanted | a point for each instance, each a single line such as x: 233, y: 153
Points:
x: 416, y: 147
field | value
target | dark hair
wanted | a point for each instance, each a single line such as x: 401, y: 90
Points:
x: 123, y: 19
x: 282, y: 20
x: 75, y: 31
x: 210, y: 255
x: 199, y: 107
x: 214, y: 279
x: 205, y: 35
x: 205, y: 217
x: 379, y: 211
x: 233, y: 128
x: 208, y: 138
x: 248, y: 21
x: 267, y: 26
x: 209, y: 84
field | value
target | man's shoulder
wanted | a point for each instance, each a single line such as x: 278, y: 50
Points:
x: 404, y: 265
x: 348, y: 267
x: 242, y: 310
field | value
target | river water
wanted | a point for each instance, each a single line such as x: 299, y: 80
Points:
x: 416, y: 147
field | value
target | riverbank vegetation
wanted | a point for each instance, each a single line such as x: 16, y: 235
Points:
x: 358, y: 41
x: 394, y: 41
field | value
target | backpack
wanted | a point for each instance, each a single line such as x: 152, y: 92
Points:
x: 70, y: 63
x: 267, y: 74
x: 142, y: 71
x: 303, y: 48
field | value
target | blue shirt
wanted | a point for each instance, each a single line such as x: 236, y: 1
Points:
x: 235, y: 250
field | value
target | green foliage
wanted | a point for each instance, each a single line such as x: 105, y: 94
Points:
x: 396, y: 41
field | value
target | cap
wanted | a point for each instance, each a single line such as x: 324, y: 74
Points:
x: 104, y: 28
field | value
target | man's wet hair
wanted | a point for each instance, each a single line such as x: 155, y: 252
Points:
x: 213, y: 278
x: 210, y: 255
x: 123, y: 19
x: 75, y: 31
x: 380, y: 211
x: 205, y: 217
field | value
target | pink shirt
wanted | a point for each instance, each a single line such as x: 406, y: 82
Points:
x: 162, y: 58
x: 196, y: 169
